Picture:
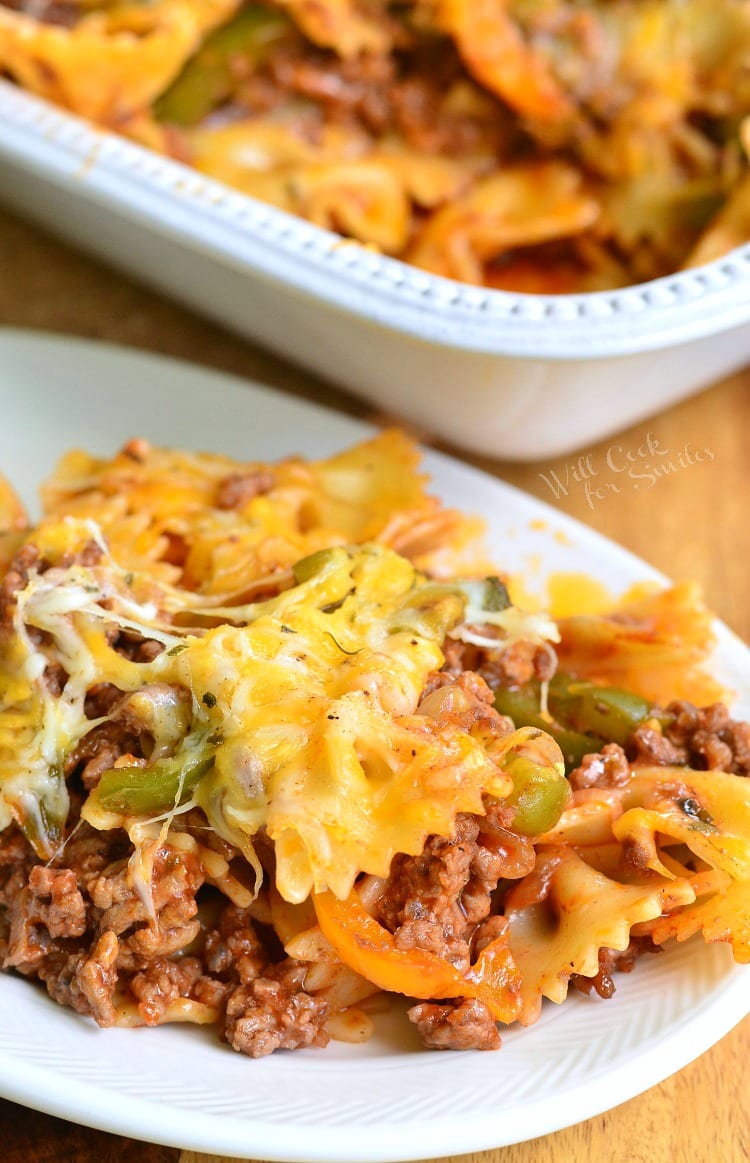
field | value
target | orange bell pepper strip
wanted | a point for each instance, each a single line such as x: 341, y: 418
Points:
x: 370, y: 950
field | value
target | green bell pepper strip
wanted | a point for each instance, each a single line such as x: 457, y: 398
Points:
x: 608, y: 712
x: 584, y: 716
x: 42, y: 820
x: 496, y: 596
x: 307, y: 567
x: 206, y: 81
x: 521, y: 704
x: 539, y: 795
x: 140, y: 791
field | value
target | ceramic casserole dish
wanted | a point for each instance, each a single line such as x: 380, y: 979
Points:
x: 508, y: 375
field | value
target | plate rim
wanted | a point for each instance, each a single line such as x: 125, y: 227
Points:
x: 215, y: 1134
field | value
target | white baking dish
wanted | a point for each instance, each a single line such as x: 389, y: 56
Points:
x: 509, y: 375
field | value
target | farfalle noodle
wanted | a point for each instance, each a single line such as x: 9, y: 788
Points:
x: 542, y: 146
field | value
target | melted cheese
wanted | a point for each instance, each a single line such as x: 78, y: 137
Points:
x: 306, y: 716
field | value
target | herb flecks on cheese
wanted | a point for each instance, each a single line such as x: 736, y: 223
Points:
x: 302, y: 721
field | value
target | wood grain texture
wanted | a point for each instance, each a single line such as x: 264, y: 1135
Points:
x: 691, y: 523
x: 27, y: 1136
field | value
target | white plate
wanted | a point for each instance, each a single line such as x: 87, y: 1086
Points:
x: 389, y: 1099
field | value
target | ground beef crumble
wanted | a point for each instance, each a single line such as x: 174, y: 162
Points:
x: 62, y: 12
x: 80, y: 927
x: 465, y: 1024
x: 99, y: 750
x: 611, y: 961
x: 172, y: 909
x: 84, y: 980
x: 125, y: 732
x: 274, y: 1012
x: 15, y: 580
x: 237, y: 489
x: 162, y: 982
x: 518, y: 664
x: 465, y: 702
x: 16, y: 861
x: 706, y: 738
x: 703, y: 738
x: 440, y: 901
x: 604, y: 769
x: 58, y: 903
x: 84, y: 932
x: 233, y: 951
x: 376, y: 95
x: 436, y: 901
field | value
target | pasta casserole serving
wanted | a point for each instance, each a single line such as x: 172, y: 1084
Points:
x: 533, y: 145
x: 276, y: 743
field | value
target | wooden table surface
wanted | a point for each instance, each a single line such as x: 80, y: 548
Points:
x: 692, y: 524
